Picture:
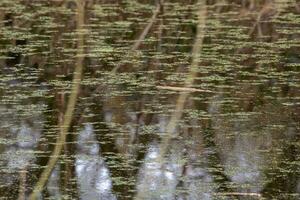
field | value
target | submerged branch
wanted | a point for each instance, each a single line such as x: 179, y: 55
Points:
x: 144, y: 33
x: 67, y: 119
x: 22, y: 184
x: 177, y: 114
x: 146, y: 30
x: 197, y: 47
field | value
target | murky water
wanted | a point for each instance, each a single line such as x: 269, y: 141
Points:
x: 187, y: 100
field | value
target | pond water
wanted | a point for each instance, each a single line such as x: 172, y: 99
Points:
x: 181, y: 99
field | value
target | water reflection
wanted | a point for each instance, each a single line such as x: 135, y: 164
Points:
x: 53, y: 184
x: 93, y: 176
x: 237, y: 136
x: 18, y: 144
x: 157, y: 180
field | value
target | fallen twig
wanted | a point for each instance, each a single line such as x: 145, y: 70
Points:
x: 181, y: 89
x: 238, y: 194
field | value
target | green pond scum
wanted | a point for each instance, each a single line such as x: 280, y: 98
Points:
x: 150, y: 100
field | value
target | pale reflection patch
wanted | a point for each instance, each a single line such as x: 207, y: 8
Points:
x: 157, y: 181
x: 93, y: 176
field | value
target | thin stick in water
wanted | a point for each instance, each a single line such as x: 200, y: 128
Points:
x: 67, y: 119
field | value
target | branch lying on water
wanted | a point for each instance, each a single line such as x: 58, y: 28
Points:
x: 144, y: 33
x: 182, y: 89
x: 238, y: 194
x: 67, y: 119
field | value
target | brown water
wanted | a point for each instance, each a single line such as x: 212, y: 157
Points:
x: 205, y: 106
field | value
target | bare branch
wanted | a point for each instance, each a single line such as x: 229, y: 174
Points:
x: 144, y: 33
x: 197, y: 47
x: 177, y: 114
x: 181, y: 89
x: 238, y: 194
x: 70, y: 106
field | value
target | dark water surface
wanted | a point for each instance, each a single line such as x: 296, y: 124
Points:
x: 178, y: 99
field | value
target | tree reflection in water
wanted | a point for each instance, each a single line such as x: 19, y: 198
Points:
x: 18, y: 155
x: 236, y: 123
x: 159, y: 180
x: 93, y: 176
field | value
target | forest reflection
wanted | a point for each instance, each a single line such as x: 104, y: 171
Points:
x: 136, y: 99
